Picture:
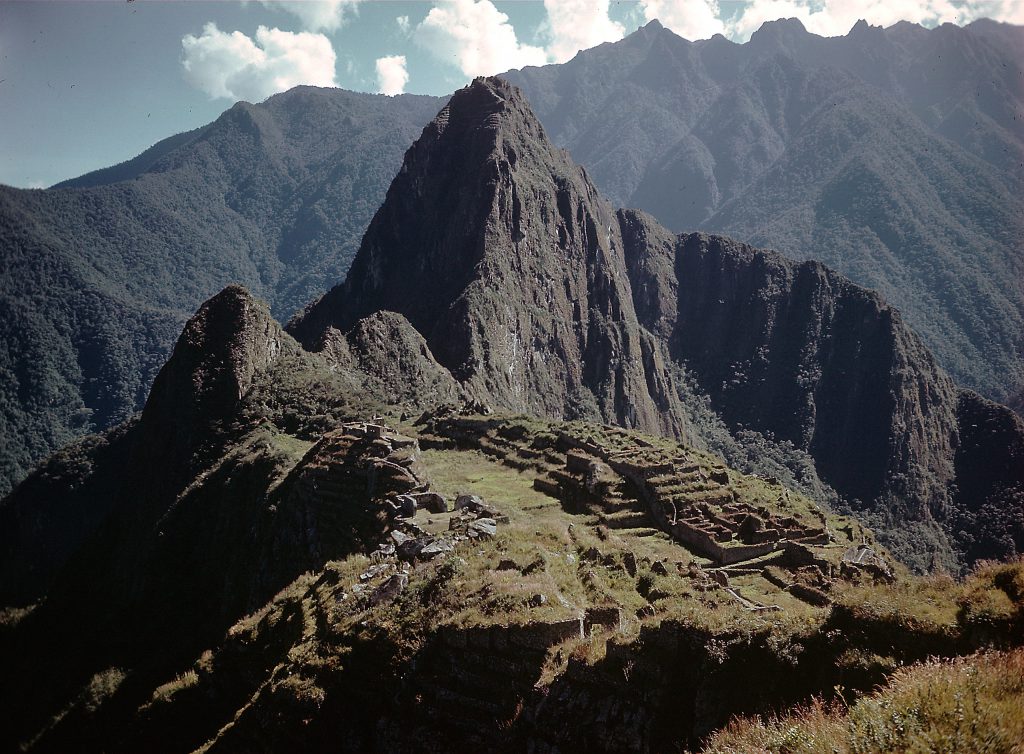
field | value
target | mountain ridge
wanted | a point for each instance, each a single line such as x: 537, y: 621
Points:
x: 748, y: 141
x: 102, y: 271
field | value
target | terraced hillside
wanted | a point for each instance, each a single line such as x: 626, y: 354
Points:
x: 275, y: 557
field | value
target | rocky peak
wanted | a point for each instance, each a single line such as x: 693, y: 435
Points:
x: 781, y: 32
x: 222, y: 350
x: 498, y: 250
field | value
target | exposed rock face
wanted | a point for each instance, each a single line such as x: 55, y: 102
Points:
x: 798, y: 351
x: 891, y: 155
x: 989, y: 518
x: 498, y: 250
x: 393, y: 361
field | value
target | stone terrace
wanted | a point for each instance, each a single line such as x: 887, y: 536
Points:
x: 635, y: 484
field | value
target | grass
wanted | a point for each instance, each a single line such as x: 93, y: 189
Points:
x: 971, y: 704
x: 915, y: 603
x: 990, y: 600
x: 293, y: 446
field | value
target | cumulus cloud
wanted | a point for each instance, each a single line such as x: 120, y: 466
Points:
x: 691, y: 19
x: 391, y: 74
x: 1007, y: 11
x: 475, y: 36
x: 235, y: 66
x: 403, y: 24
x: 836, y: 17
x: 317, y: 15
x: 576, y: 25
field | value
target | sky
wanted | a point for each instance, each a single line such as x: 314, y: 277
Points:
x: 90, y: 83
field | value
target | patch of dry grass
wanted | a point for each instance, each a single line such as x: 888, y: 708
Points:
x: 972, y: 704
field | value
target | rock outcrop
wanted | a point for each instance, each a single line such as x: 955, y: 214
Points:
x: 222, y: 351
x: 393, y: 361
x: 797, y: 351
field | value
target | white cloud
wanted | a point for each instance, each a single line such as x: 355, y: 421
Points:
x: 391, y: 74
x: 1007, y: 11
x: 235, y: 66
x: 317, y: 15
x: 577, y: 25
x: 476, y: 37
x: 836, y: 17
x: 691, y: 19
x: 403, y: 24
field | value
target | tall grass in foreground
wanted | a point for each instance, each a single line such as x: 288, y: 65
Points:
x: 971, y: 704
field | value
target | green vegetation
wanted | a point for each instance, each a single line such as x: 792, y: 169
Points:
x: 99, y: 274
x: 495, y: 614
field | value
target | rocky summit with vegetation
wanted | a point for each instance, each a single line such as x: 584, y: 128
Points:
x: 539, y: 475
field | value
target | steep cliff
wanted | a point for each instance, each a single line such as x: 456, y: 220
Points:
x: 891, y: 155
x: 499, y: 251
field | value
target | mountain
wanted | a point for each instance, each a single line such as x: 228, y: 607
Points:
x: 887, y: 154
x: 538, y: 298
x: 100, y: 272
x: 892, y: 155
x: 522, y: 292
x: 269, y: 557
x: 243, y: 578
x: 250, y: 582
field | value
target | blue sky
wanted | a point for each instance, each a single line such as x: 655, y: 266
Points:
x: 84, y: 85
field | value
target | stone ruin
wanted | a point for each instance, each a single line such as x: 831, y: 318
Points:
x: 634, y: 484
x: 372, y: 462
x: 696, y: 507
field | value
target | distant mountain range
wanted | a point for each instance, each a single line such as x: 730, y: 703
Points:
x: 864, y: 152
x: 896, y: 156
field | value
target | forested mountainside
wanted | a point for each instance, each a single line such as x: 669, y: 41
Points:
x: 100, y: 272
x: 893, y: 155
x: 768, y: 141
x: 269, y: 558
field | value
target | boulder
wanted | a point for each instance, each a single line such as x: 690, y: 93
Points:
x: 374, y: 571
x: 469, y: 502
x: 390, y: 589
x: 410, y: 549
x: 407, y: 505
x: 432, y: 501
x: 435, y: 548
x: 484, y: 527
